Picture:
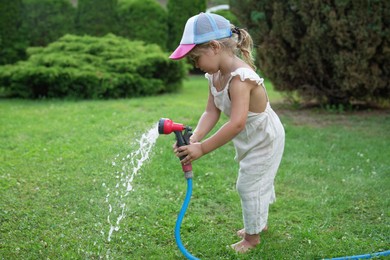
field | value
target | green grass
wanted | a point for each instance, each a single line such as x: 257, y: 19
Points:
x: 56, y: 170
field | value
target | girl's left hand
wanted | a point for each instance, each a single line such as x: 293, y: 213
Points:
x: 191, y: 152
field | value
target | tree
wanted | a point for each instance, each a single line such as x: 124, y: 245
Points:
x: 178, y: 13
x: 96, y: 17
x: 144, y: 20
x: 45, y: 21
x: 334, y: 51
x: 11, y: 44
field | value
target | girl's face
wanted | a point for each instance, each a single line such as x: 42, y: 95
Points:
x: 205, y: 59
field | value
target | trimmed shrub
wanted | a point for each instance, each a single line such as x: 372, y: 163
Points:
x: 96, y: 17
x: 11, y: 44
x: 144, y: 20
x: 178, y: 13
x: 90, y: 67
x: 45, y: 21
x: 335, y: 52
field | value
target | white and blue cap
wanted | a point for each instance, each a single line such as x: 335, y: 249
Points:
x: 201, y: 28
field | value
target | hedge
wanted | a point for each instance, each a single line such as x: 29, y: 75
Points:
x: 334, y: 52
x: 91, y: 67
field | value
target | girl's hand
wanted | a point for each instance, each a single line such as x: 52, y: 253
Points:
x: 191, y: 152
x: 193, y: 139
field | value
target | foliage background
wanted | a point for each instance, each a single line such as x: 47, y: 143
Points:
x: 334, y: 52
x: 46, y: 21
x: 96, y: 17
x: 143, y: 20
x: 93, y: 67
x: 331, y: 53
x: 12, y: 45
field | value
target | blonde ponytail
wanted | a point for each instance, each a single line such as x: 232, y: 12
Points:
x: 245, y: 45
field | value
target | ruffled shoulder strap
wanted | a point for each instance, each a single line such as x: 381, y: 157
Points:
x: 246, y: 73
x: 209, y: 77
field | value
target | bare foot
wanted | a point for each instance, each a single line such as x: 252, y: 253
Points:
x: 241, y: 232
x: 242, y: 247
x: 249, y: 242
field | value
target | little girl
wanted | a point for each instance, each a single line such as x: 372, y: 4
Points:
x: 216, y: 46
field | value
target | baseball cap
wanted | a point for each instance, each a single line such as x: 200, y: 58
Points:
x: 201, y: 28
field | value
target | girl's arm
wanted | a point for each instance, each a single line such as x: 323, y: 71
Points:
x: 240, y: 97
x: 207, y: 121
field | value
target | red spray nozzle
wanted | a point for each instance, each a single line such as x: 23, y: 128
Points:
x: 167, y: 126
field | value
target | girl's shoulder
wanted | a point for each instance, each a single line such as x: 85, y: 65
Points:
x: 247, y: 74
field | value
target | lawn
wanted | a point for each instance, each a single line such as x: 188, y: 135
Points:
x: 70, y: 187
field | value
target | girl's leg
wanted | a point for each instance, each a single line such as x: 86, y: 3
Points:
x: 256, y: 191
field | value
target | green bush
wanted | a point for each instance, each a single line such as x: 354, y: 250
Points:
x: 96, y: 17
x: 11, y: 43
x: 144, y: 20
x: 45, y: 21
x: 90, y: 67
x: 336, y: 52
x: 178, y: 13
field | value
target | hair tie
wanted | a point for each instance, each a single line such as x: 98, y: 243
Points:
x: 236, y: 30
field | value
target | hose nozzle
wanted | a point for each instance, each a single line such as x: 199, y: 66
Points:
x: 167, y: 126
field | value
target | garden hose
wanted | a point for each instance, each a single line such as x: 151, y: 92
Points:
x: 180, y: 219
x: 167, y: 126
x: 365, y: 256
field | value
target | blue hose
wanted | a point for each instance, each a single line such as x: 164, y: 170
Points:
x: 191, y: 257
x: 180, y: 219
x: 366, y: 256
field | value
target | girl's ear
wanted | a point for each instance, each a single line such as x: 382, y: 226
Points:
x: 215, y: 46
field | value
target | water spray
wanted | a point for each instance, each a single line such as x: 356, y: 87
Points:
x: 167, y: 126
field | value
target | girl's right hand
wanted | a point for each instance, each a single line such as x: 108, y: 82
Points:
x: 193, y: 139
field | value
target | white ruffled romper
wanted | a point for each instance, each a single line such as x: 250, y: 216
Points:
x: 259, y: 149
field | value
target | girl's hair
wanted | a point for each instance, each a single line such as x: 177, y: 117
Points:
x: 241, y: 44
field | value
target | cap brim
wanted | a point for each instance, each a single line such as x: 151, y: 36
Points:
x: 181, y: 51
